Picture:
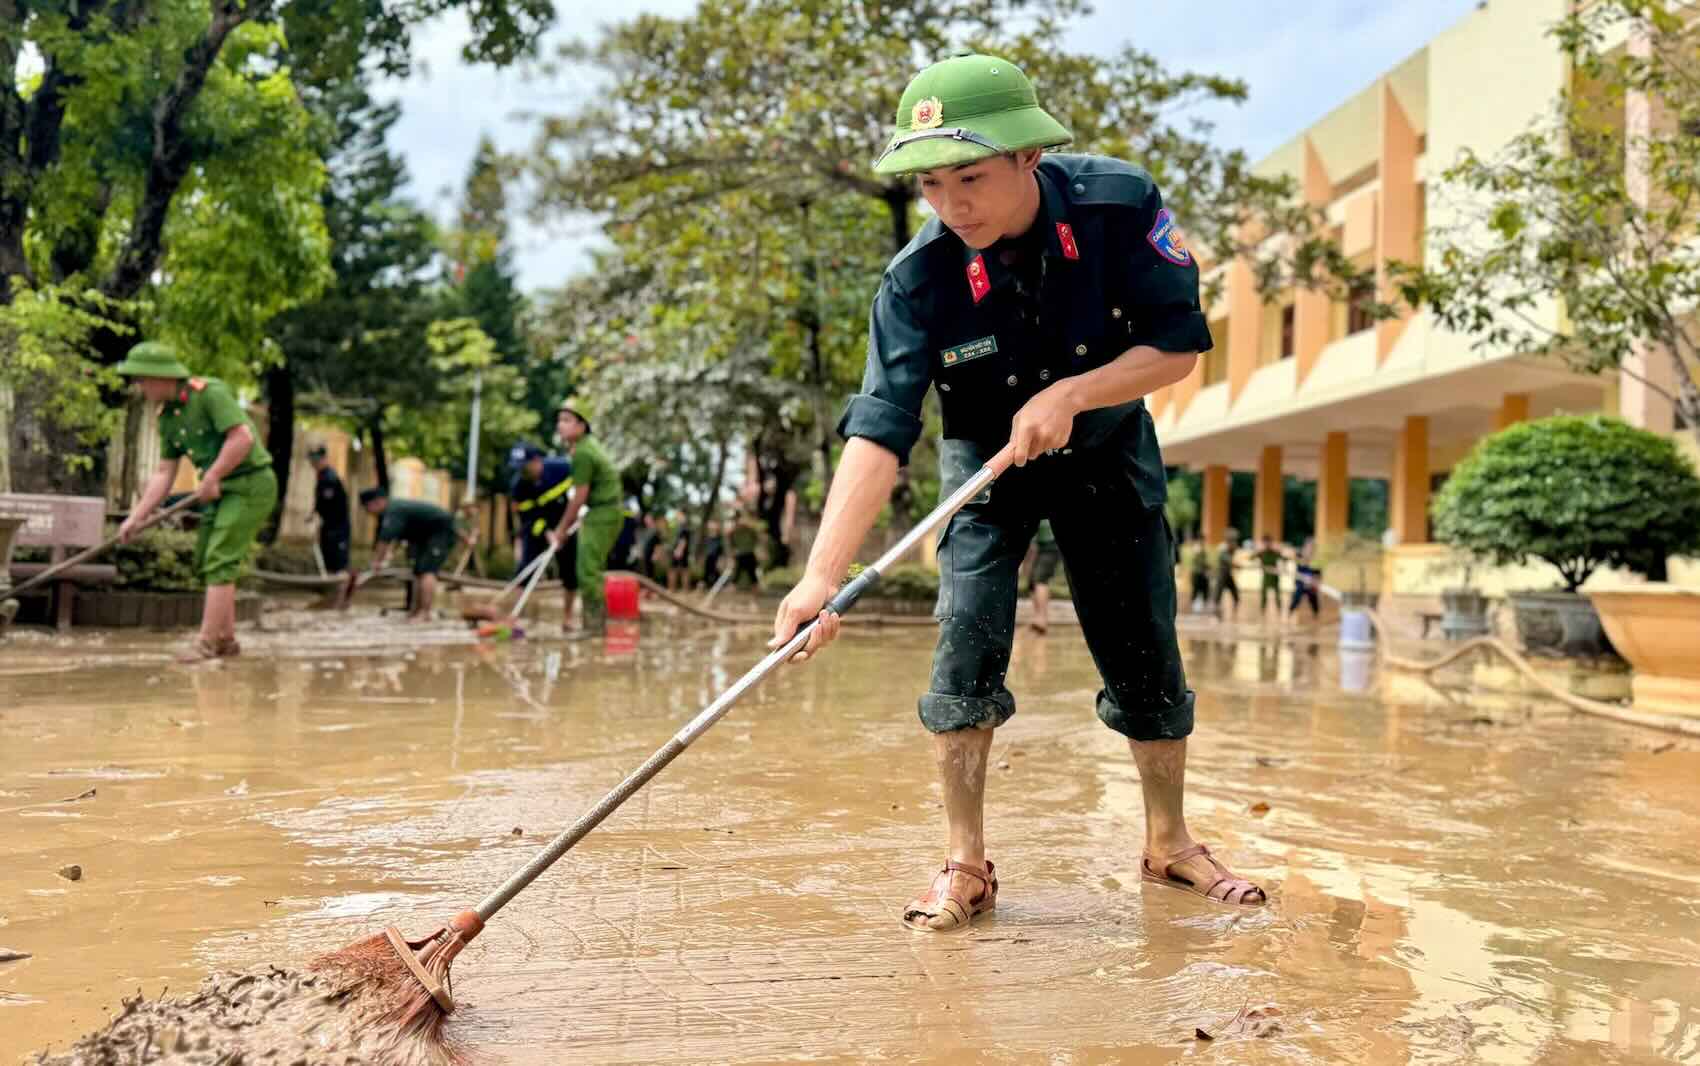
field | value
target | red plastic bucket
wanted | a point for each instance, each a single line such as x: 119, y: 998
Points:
x: 621, y: 591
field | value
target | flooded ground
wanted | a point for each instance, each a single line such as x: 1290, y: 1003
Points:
x: 1454, y: 879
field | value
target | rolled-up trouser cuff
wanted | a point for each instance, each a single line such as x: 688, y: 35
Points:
x: 944, y: 713
x: 1173, y: 722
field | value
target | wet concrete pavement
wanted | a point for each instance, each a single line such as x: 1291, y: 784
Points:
x: 1455, y: 878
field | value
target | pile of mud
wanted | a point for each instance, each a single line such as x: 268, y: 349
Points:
x: 282, y: 1017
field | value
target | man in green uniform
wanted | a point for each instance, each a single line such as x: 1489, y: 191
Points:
x: 430, y: 533
x: 200, y: 418
x: 1046, y: 557
x: 1045, y: 298
x: 1269, y: 564
x: 597, y: 496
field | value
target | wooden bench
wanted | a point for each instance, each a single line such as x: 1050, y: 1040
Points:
x: 60, y: 523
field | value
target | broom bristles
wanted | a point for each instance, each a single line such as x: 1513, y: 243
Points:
x: 390, y: 993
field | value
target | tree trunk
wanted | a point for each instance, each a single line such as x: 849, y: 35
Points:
x: 5, y: 437
x: 897, y: 201
x: 380, y: 461
x: 721, y: 456
x: 280, y: 439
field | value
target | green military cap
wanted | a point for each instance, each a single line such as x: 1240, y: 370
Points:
x: 153, y: 359
x: 964, y: 109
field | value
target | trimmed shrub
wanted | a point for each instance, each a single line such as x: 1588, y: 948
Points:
x: 1578, y: 491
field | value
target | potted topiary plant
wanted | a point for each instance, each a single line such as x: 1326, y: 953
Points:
x: 1463, y: 607
x: 1580, y: 492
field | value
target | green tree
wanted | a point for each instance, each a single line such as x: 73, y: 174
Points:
x: 154, y: 165
x: 437, y: 434
x: 1579, y: 492
x: 732, y: 149
x: 1563, y: 248
x: 357, y: 350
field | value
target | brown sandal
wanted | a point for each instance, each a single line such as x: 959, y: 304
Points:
x: 1228, y: 888
x: 938, y: 903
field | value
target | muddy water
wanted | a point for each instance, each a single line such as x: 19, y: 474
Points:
x: 1455, y: 879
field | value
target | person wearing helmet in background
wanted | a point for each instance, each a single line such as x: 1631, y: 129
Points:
x: 595, y: 496
x: 199, y: 419
x: 538, y: 495
x: 1045, y: 299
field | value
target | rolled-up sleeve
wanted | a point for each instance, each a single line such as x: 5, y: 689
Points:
x: 1166, y: 311
x: 900, y: 368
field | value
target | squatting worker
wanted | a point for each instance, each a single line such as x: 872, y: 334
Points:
x: 1047, y: 297
x: 596, y: 495
x: 430, y: 533
x: 200, y: 418
x: 538, y: 496
x: 330, y: 505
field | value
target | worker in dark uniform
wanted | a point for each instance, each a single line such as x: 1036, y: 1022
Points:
x: 330, y: 506
x: 430, y: 533
x: 1046, y: 297
x: 541, y: 487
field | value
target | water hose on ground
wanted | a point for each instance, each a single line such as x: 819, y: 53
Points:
x: 1597, y: 708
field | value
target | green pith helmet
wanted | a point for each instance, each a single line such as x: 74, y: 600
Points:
x: 153, y: 359
x: 964, y: 109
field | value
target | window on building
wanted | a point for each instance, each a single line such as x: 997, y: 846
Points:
x: 1358, y: 304
x: 1288, y: 345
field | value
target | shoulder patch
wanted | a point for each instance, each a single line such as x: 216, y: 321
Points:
x: 1165, y: 237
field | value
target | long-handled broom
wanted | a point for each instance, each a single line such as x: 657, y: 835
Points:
x: 405, y: 983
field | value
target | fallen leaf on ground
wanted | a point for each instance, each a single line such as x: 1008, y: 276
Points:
x: 1662, y: 748
x: 72, y: 872
x: 81, y: 796
x: 518, y: 832
x: 1259, y: 809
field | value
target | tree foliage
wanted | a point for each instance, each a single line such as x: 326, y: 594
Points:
x: 1577, y: 240
x: 731, y: 152
x: 158, y: 169
x: 1579, y: 492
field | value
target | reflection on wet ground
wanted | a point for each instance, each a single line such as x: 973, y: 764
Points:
x: 1454, y: 879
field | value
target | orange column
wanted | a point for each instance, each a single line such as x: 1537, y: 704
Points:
x: 1214, y: 521
x: 1396, y: 230
x: 1266, y: 510
x: 1409, y: 489
x: 1311, y: 307
x: 1331, y: 490
x: 1513, y: 408
x: 1245, y: 322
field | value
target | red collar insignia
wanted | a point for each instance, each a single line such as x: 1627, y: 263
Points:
x: 977, y: 282
x: 1065, y: 236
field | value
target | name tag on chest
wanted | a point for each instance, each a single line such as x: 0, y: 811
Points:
x: 969, y: 351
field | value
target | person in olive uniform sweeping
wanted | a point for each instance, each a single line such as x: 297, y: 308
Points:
x: 330, y: 504
x: 538, y: 495
x: 200, y: 418
x: 1045, y: 299
x: 430, y: 533
x: 596, y: 496
x: 1045, y: 561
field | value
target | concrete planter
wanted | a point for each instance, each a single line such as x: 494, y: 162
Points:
x: 152, y: 610
x: 1463, y: 614
x: 1656, y: 627
x: 1559, y: 624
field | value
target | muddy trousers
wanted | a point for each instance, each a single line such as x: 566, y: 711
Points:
x: 1117, y: 553
x: 596, y: 535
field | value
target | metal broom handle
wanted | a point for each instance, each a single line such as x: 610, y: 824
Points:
x: 696, y: 727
